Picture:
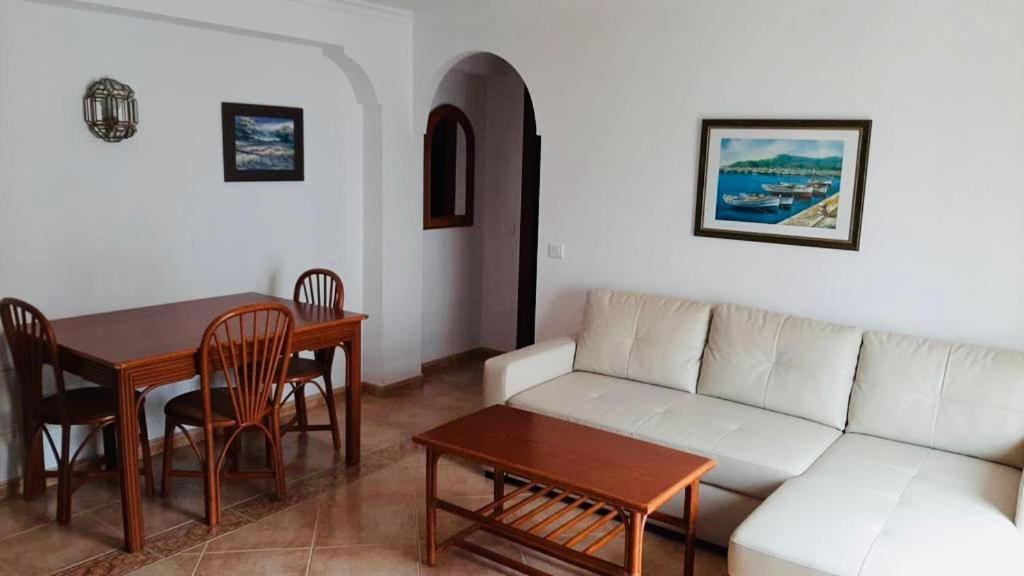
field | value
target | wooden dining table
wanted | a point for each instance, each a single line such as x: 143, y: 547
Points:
x: 140, y: 349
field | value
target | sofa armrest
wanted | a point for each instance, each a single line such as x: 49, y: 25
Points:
x: 511, y: 373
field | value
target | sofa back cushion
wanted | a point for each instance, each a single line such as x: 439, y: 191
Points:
x: 781, y: 363
x: 652, y: 339
x: 954, y: 397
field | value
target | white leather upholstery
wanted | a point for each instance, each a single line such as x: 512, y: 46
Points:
x: 927, y: 479
x: 719, y: 513
x: 872, y: 507
x: 1020, y: 505
x: 756, y: 450
x: 511, y: 373
x: 782, y: 363
x: 954, y: 397
x: 646, y: 338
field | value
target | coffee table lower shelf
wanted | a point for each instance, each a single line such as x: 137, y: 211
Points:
x: 570, y: 531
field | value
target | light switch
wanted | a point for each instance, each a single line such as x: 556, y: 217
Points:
x: 556, y: 250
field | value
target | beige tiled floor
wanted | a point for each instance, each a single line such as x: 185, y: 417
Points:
x: 371, y: 526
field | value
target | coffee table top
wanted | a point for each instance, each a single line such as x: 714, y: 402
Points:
x: 630, y: 473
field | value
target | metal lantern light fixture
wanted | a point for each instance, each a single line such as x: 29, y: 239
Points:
x: 110, y: 110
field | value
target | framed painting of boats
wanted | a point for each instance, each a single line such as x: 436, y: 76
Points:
x: 784, y: 181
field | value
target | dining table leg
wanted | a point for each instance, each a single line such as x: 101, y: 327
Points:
x: 128, y: 470
x: 353, y: 397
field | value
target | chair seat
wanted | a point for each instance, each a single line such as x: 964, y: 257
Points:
x: 187, y: 408
x: 303, y: 370
x: 90, y: 405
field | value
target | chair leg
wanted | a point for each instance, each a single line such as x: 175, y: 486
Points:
x: 268, y: 449
x: 31, y: 483
x: 302, y: 418
x: 235, y: 450
x: 210, y: 478
x: 110, y: 447
x: 279, y: 482
x: 147, y: 456
x: 332, y: 410
x: 165, y: 478
x: 64, y: 477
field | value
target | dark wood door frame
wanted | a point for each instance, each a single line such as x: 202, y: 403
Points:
x: 526, y: 313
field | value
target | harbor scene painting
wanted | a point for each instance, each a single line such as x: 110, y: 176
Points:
x: 777, y: 181
x: 784, y: 181
x: 262, y: 142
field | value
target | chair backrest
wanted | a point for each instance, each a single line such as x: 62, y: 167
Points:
x: 320, y: 287
x: 953, y: 397
x: 33, y: 345
x: 250, y: 346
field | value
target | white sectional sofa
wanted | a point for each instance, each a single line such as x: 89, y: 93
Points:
x: 840, y: 452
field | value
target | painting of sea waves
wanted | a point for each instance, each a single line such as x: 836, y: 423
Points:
x: 264, y: 143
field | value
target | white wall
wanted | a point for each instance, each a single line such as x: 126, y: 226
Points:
x: 620, y: 89
x: 470, y: 275
x: 452, y: 256
x: 87, y: 226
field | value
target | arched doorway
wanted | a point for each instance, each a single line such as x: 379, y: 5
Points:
x: 480, y: 266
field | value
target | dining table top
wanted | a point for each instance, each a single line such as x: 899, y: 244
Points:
x: 123, y: 337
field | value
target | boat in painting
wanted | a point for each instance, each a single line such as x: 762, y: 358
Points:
x: 753, y: 201
x: 786, y: 189
x: 820, y: 187
x: 786, y: 201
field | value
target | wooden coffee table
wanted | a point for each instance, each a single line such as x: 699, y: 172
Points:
x: 579, y: 479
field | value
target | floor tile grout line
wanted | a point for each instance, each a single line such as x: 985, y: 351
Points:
x: 202, y: 554
x: 312, y: 543
x: 248, y: 550
x: 50, y: 521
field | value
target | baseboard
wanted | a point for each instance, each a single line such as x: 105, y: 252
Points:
x: 434, y: 366
x: 385, y: 390
x: 426, y: 369
x: 12, y: 488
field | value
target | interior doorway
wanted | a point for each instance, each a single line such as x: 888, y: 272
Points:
x: 481, y: 205
x: 526, y: 314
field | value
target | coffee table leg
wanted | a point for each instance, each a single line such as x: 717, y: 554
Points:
x: 635, y: 543
x: 432, y: 458
x: 499, y: 487
x: 690, y: 516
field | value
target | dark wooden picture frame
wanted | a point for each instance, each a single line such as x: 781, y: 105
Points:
x: 275, y: 164
x: 806, y: 180
x: 441, y: 115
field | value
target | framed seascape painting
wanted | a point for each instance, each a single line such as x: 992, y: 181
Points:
x: 783, y: 181
x: 261, y: 143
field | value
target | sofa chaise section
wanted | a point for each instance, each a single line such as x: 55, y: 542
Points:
x: 926, y: 481
x: 873, y: 507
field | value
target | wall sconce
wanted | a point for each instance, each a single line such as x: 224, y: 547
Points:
x: 111, y: 112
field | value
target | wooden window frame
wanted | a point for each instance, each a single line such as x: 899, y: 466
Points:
x: 438, y: 115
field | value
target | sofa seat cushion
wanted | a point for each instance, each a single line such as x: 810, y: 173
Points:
x: 871, y: 506
x: 756, y: 450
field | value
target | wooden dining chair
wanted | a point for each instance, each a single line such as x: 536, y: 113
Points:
x: 33, y: 346
x: 320, y: 287
x: 248, y: 349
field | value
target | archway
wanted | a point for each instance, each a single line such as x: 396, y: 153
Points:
x: 480, y: 277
